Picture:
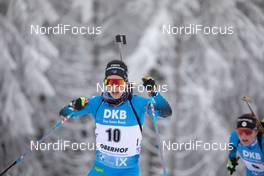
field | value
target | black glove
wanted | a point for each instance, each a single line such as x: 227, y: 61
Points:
x: 79, y: 103
x: 231, y: 165
x: 150, y: 84
x: 75, y: 105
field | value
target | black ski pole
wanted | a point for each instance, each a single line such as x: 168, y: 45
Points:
x: 120, y: 39
x: 14, y: 163
x: 57, y: 125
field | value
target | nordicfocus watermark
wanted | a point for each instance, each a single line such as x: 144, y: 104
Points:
x: 194, y: 29
x: 196, y: 145
x: 62, y: 29
x: 101, y: 87
x: 61, y: 145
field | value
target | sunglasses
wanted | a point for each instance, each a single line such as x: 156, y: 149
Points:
x: 118, y: 82
x: 248, y: 132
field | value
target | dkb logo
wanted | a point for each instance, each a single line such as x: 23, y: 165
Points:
x: 115, y: 114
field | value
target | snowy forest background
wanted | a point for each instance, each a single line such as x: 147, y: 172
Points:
x: 207, y: 76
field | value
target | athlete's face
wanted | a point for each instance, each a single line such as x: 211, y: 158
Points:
x: 115, y: 85
x: 246, y: 135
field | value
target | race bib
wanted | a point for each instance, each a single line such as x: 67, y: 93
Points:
x: 119, y: 141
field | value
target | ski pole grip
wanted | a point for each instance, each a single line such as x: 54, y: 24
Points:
x: 121, y: 39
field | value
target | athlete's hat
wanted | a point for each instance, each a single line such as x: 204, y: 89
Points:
x: 247, y: 121
x: 116, y: 67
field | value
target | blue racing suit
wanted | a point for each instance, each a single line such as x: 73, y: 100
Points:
x: 251, y: 155
x: 118, y: 135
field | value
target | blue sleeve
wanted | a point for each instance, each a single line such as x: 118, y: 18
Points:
x: 161, y: 106
x: 90, y: 108
x: 233, y: 140
x: 140, y: 104
x: 155, y: 106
